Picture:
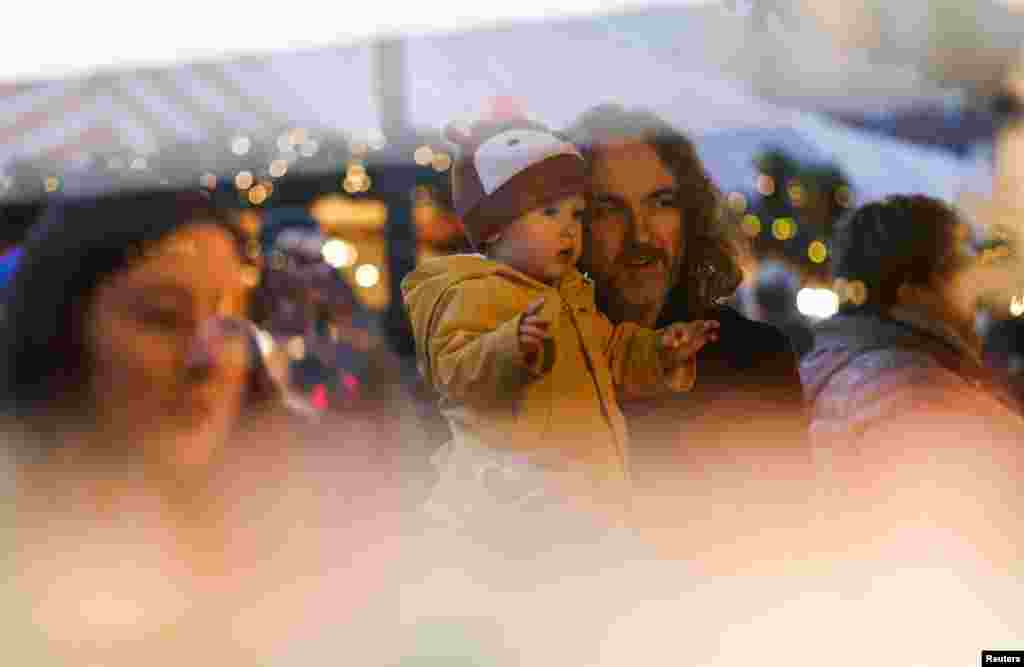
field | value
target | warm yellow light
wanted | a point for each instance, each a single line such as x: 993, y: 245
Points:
x: 337, y: 212
x: 240, y: 145
x: 784, y: 228
x: 350, y: 186
x: 296, y: 348
x: 441, y: 162
x: 268, y: 186
x: 738, y: 202
x: 244, y: 180
x: 766, y: 185
x: 751, y: 225
x: 355, y: 170
x: 817, y: 251
x: 423, y: 156
x: 339, y: 254
x: 278, y: 168
x: 857, y: 292
x: 52, y: 183
x: 367, y: 275
x: 1017, y: 306
x: 258, y: 195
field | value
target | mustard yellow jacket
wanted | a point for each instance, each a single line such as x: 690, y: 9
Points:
x: 562, y: 413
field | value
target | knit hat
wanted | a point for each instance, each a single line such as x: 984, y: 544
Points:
x: 507, y: 167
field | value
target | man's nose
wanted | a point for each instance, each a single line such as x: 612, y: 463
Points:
x: 639, y: 227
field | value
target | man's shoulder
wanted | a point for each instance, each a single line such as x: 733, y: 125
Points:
x: 743, y: 338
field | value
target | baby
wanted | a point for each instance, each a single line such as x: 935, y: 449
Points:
x: 528, y: 369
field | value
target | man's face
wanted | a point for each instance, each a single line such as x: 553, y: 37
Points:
x: 634, y: 241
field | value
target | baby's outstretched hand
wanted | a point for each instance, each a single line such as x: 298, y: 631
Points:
x: 680, y: 341
x: 532, y: 332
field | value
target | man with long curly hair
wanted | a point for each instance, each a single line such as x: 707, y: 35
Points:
x: 660, y: 246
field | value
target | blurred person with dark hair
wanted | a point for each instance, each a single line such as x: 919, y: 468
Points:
x: 773, y: 301
x: 660, y: 247
x: 906, y: 422
x: 156, y: 457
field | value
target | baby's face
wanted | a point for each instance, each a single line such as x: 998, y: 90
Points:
x: 544, y: 243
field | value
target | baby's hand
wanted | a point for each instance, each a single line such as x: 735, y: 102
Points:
x: 680, y: 341
x: 532, y: 332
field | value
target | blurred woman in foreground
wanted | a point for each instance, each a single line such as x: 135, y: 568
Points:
x: 166, y: 508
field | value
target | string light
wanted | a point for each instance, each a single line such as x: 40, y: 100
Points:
x: 423, y: 156
x: 367, y: 275
x: 784, y: 228
x: 278, y: 168
x: 817, y: 251
x: 817, y: 302
x: 339, y: 254
x: 240, y: 145
x: 1017, y: 306
x: 244, y: 180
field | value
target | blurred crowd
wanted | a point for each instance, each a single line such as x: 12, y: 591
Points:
x: 217, y: 453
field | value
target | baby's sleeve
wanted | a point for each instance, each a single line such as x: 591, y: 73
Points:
x: 474, y: 347
x: 633, y: 357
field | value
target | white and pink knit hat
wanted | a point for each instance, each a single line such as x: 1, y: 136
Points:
x: 507, y: 166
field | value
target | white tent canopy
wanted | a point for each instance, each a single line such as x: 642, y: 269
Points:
x: 667, y: 60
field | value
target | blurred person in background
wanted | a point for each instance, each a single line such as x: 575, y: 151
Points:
x: 773, y: 301
x: 156, y: 458
x: 1003, y: 353
x: 660, y: 248
x: 342, y: 364
x: 909, y: 428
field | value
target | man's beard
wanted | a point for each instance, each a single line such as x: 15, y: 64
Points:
x: 623, y: 299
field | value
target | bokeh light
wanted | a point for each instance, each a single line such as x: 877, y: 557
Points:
x: 367, y: 275
x: 784, y: 228
x: 817, y: 302
x: 244, y: 180
x: 241, y: 145
x: 423, y: 156
x: 296, y: 348
x: 1017, y: 306
x: 817, y: 251
x: 339, y: 254
x: 278, y: 168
